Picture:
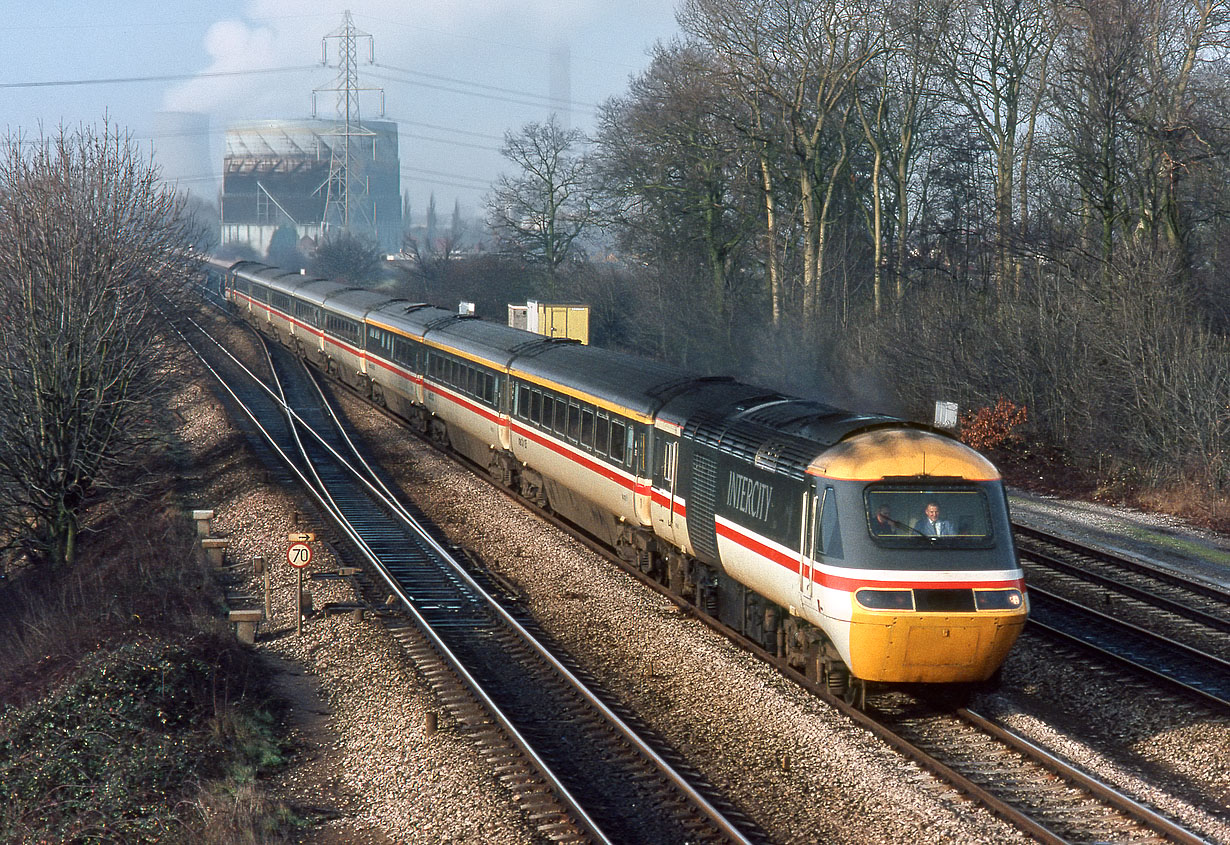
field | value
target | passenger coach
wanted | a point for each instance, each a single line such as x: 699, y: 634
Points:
x: 793, y: 522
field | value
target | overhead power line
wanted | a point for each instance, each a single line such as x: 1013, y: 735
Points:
x: 475, y: 181
x: 541, y: 99
x: 170, y: 77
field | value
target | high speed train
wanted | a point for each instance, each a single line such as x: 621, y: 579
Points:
x: 860, y: 548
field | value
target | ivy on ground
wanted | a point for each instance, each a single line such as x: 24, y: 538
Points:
x: 119, y: 754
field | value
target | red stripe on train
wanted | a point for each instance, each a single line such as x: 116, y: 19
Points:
x: 848, y: 584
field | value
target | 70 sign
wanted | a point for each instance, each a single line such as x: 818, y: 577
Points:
x: 299, y: 555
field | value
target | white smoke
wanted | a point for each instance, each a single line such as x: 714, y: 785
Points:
x: 446, y: 36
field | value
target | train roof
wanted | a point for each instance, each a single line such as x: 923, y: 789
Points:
x: 247, y: 266
x: 257, y: 272
x: 221, y: 264
x: 356, y: 303
x: 491, y: 343
x: 411, y: 319
x: 286, y: 281
x: 779, y: 433
x: 626, y: 382
x: 316, y: 291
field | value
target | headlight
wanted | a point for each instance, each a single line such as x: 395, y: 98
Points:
x: 998, y: 599
x: 886, y: 599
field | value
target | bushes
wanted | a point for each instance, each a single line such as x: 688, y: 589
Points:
x: 994, y: 427
x: 128, y: 711
x: 113, y: 755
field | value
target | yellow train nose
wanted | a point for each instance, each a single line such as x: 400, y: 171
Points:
x: 931, y: 648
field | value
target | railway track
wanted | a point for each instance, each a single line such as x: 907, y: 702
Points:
x: 1172, y: 629
x: 579, y: 770
x: 1015, y: 779
x: 1041, y: 794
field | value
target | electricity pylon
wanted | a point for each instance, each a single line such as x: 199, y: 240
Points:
x: 347, y: 195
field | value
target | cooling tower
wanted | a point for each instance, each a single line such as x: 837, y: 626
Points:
x: 182, y: 151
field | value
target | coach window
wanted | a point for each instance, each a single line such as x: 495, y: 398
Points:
x: 574, y: 422
x: 602, y: 434
x: 560, y: 424
x: 402, y: 352
x: 618, y: 434
x: 587, y: 428
x: 535, y: 407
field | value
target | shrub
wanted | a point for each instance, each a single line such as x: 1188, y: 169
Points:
x: 995, y: 427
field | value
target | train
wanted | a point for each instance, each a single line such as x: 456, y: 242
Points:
x: 862, y: 549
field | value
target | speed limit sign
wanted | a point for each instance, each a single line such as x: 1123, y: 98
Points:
x: 299, y: 554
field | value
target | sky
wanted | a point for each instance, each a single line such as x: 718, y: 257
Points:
x: 456, y: 74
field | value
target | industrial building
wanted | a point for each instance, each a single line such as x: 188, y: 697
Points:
x: 283, y: 172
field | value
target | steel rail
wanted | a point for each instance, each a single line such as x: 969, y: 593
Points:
x: 715, y: 815
x: 454, y: 662
x: 1163, y: 603
x: 1147, y: 638
x: 1175, y: 579
x: 1096, y: 787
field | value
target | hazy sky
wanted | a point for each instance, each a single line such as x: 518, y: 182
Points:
x: 456, y: 75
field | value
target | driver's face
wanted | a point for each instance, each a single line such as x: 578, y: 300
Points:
x: 933, y: 512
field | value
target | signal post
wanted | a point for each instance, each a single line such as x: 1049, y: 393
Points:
x: 299, y: 555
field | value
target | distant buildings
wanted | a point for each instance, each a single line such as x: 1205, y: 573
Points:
x: 285, y: 172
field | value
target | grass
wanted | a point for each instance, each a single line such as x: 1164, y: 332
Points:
x: 128, y: 711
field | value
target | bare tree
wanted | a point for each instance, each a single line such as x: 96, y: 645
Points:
x: 895, y: 102
x: 540, y: 213
x: 1182, y: 39
x: 990, y: 54
x: 347, y: 257
x: 802, y: 56
x: 429, y: 257
x: 88, y: 239
x: 670, y: 161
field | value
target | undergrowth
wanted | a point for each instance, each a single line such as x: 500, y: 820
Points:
x: 128, y: 711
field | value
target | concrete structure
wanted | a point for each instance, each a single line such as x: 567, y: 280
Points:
x: 276, y: 173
